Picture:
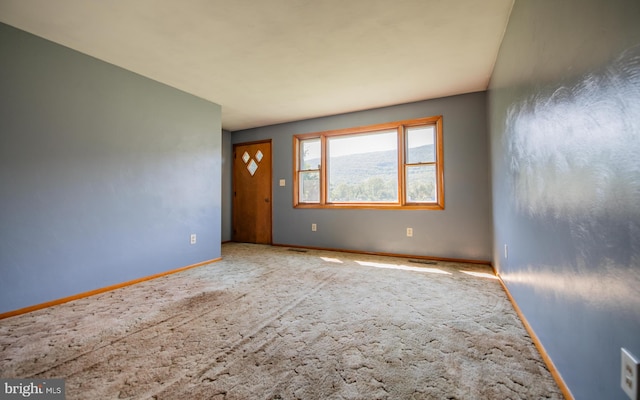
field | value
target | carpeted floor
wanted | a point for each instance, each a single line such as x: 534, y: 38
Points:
x: 271, y: 323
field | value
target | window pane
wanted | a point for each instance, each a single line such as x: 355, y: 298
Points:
x: 420, y: 144
x: 421, y: 183
x: 310, y: 154
x: 309, y: 187
x: 363, y: 168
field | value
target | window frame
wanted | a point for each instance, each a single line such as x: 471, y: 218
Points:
x: 400, y: 127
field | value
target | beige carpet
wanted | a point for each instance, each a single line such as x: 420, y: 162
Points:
x: 271, y: 323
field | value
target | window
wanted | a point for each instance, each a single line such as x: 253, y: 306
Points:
x: 393, y: 165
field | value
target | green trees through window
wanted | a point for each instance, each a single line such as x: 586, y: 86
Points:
x: 397, y: 164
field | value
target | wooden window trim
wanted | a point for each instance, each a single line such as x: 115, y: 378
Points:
x: 402, y: 203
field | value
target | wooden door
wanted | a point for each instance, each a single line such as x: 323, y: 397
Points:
x: 252, y: 192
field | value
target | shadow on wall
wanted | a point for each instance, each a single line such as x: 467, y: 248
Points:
x: 574, y: 159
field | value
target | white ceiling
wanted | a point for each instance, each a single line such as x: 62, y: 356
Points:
x: 273, y: 61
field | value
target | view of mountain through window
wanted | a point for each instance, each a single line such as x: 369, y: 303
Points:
x: 388, y: 165
x: 363, y: 168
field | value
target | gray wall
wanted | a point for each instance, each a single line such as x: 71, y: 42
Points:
x: 104, y: 174
x: 564, y: 117
x: 462, y: 230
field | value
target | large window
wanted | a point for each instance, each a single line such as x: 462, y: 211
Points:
x: 393, y: 165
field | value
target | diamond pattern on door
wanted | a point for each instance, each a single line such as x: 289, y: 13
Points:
x: 252, y: 167
x: 252, y: 181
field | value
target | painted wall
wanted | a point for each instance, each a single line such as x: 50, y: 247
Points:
x: 104, y: 174
x: 564, y: 117
x: 462, y: 230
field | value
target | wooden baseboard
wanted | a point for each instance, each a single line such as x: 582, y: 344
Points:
x: 101, y: 290
x: 543, y: 352
x: 375, y: 253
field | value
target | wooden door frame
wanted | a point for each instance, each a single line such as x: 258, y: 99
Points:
x: 233, y: 185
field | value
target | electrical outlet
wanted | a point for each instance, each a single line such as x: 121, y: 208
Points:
x: 283, y: 182
x: 193, y: 238
x: 409, y: 232
x: 629, y: 370
x: 314, y: 227
x: 506, y: 251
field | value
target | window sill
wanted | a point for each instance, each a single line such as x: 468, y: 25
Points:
x: 338, y: 206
